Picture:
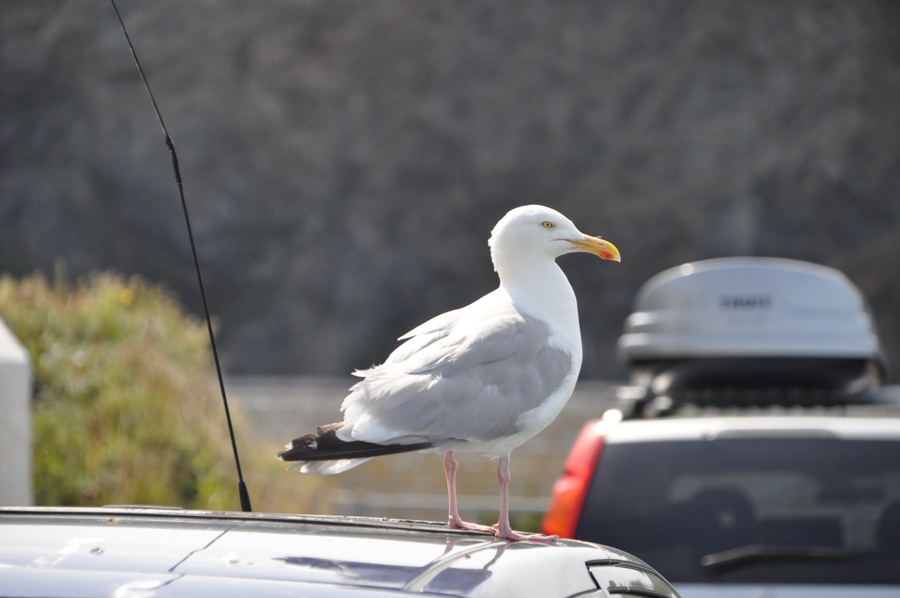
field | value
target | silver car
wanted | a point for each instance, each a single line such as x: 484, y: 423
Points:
x: 144, y: 552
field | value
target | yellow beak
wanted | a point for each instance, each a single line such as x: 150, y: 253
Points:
x: 597, y: 246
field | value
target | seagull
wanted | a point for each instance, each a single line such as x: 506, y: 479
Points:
x: 484, y: 378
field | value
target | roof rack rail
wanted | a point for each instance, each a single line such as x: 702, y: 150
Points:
x: 636, y: 402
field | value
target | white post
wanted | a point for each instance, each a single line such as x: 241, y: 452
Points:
x: 15, y: 421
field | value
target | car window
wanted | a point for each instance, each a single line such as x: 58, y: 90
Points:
x: 628, y: 581
x: 752, y: 509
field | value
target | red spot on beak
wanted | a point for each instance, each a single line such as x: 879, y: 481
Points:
x: 607, y: 255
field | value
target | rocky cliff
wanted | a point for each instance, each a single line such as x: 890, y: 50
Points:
x: 344, y: 161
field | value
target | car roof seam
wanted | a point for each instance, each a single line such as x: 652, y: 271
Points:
x: 201, y: 549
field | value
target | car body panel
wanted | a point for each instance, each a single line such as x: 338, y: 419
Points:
x: 776, y: 426
x: 784, y: 591
x: 147, y: 552
x: 22, y: 582
x: 80, y: 546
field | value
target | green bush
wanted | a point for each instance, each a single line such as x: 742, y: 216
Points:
x: 125, y: 408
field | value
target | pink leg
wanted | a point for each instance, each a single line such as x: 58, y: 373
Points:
x: 455, y: 521
x: 502, y: 530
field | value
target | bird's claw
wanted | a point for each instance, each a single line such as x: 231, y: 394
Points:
x: 513, y: 536
x: 465, y: 525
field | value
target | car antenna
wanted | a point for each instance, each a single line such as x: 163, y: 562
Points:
x: 242, y: 487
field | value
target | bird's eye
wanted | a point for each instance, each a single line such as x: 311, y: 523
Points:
x: 547, y: 224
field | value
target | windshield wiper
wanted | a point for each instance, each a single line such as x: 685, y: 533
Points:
x: 746, y: 555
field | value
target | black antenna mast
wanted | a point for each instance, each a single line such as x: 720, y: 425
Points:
x: 242, y: 488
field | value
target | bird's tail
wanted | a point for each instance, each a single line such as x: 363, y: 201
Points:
x: 325, y: 453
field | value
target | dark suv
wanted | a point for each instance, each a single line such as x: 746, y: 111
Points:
x: 777, y: 470
x: 741, y: 500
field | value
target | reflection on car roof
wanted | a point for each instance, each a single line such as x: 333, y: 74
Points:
x: 99, y: 551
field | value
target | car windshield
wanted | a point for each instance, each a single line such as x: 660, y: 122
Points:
x: 756, y: 510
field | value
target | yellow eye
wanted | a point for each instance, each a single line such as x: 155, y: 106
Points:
x: 547, y: 224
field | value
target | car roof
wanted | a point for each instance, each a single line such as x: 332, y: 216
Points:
x: 776, y: 426
x: 124, y: 551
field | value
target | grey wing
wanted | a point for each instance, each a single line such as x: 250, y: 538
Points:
x: 470, y: 380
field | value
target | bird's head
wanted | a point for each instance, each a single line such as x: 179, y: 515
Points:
x: 540, y: 232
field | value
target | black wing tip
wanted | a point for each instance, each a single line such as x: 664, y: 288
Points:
x: 296, y: 448
x: 326, y: 446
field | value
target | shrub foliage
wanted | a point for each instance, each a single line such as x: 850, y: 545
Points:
x: 125, y: 409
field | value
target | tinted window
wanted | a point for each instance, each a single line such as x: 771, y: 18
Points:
x: 627, y: 581
x: 672, y: 503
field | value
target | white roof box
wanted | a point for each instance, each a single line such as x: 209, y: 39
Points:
x: 749, y: 307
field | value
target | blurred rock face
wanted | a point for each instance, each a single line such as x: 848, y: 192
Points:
x: 344, y: 162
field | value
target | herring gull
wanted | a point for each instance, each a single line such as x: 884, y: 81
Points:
x: 483, y: 378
